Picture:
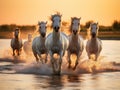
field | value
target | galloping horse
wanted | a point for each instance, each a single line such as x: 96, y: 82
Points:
x: 56, y: 43
x: 16, y: 42
x: 76, y: 44
x: 38, y: 44
x: 94, y: 45
x: 27, y: 46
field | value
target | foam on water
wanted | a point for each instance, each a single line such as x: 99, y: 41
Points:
x: 86, y: 66
x: 27, y: 65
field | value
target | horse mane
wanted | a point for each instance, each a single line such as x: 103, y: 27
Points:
x: 57, y: 14
x: 42, y: 22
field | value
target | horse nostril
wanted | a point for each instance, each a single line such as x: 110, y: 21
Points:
x: 74, y: 31
x: 56, y: 28
x: 43, y: 34
x: 93, y: 34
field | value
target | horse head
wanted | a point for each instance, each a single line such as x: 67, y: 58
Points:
x: 42, y: 28
x: 16, y: 32
x: 75, y: 24
x: 94, y: 29
x: 56, y: 21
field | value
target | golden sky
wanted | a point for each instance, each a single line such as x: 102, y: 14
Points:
x: 31, y: 11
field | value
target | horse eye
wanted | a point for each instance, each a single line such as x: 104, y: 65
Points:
x: 78, y: 23
x: 60, y: 20
x: 45, y: 26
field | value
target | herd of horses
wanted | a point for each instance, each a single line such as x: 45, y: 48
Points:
x: 58, y: 43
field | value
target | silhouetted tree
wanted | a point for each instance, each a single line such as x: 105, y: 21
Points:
x: 4, y: 28
x: 87, y: 24
x: 116, y: 25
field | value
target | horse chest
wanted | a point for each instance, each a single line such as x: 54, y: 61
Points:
x: 56, y: 47
x: 93, y: 48
x: 42, y: 48
x: 16, y: 44
x: 74, y: 47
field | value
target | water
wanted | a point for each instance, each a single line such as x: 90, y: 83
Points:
x: 22, y: 73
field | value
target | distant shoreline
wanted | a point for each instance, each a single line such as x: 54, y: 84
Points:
x: 102, y: 38
x: 102, y: 35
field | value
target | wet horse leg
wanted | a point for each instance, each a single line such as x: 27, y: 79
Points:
x: 13, y: 52
x: 37, y: 59
x: 76, y: 63
x: 60, y: 62
x: 41, y: 59
x: 69, y: 60
x: 52, y: 61
x: 46, y: 57
x: 18, y: 52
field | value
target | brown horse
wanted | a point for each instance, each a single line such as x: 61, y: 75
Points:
x: 16, y: 42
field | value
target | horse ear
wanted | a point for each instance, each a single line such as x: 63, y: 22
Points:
x: 46, y: 22
x: 79, y: 18
x: 71, y: 18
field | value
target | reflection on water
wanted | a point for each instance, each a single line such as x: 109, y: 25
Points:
x: 100, y: 81
x: 18, y: 75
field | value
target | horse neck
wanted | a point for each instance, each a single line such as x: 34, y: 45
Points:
x: 42, y: 38
x: 16, y: 38
x: 56, y: 35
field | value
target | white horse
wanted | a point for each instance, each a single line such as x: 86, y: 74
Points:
x: 16, y: 42
x: 27, y: 46
x: 38, y: 44
x: 94, y: 45
x: 76, y: 44
x: 56, y: 43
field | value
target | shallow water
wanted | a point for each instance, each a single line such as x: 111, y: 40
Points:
x: 23, y: 73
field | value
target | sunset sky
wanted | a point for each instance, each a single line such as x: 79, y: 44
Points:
x: 29, y: 12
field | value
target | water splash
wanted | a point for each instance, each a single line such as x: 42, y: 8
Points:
x: 27, y: 65
x: 86, y: 66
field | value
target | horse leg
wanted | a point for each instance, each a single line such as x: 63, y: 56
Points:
x: 52, y: 61
x: 13, y: 52
x: 69, y: 60
x: 76, y: 63
x: 18, y: 52
x: 40, y: 57
x: 37, y: 59
x: 46, y: 57
x: 60, y: 62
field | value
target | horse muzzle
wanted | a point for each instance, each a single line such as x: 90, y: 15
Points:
x: 93, y: 34
x: 56, y: 28
x: 75, y: 32
x: 43, y: 34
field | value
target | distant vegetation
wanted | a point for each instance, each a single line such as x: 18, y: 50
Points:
x: 6, y: 30
x: 104, y: 31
